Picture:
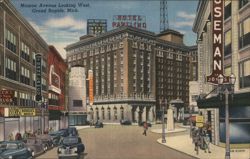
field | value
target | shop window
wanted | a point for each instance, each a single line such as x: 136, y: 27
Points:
x: 103, y: 114
x: 122, y: 113
x: 227, y: 11
x: 109, y: 113
x: 244, y: 74
x: 244, y: 33
x: 242, y: 3
x: 92, y: 113
x: 115, y: 113
x: 228, y: 39
x: 97, y: 113
x: 77, y: 103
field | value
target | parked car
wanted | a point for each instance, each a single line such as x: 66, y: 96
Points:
x: 47, y: 141
x: 70, y: 147
x: 98, y: 124
x: 36, y: 145
x: 125, y: 122
x: 58, y: 135
x: 14, y: 150
x: 72, y: 131
x: 142, y: 123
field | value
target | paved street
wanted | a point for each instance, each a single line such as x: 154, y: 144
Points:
x: 121, y: 142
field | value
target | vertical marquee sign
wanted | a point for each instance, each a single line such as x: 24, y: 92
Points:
x: 91, y: 93
x: 38, y: 77
x: 217, y: 12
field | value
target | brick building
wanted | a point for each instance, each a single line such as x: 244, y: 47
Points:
x: 57, y: 88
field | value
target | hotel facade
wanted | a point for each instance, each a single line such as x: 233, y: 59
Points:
x: 132, y: 70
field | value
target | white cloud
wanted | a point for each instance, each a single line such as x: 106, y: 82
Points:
x: 60, y: 48
x: 57, y: 37
x: 66, y: 22
x: 181, y: 24
x: 186, y: 15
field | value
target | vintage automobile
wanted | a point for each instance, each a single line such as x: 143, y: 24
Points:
x: 125, y: 122
x: 71, y: 147
x: 72, y: 131
x: 58, y: 135
x: 36, y: 145
x: 98, y: 124
x: 14, y: 150
x: 47, y: 141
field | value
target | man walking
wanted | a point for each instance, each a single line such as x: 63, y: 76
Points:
x: 145, y: 128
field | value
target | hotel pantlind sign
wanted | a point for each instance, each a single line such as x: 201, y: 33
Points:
x: 217, y: 12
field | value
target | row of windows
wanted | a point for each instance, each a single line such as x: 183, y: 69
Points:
x: 244, y: 37
x: 228, y: 7
x: 10, y: 64
x: 25, y: 52
x: 103, y: 116
x: 10, y: 41
x: 244, y: 74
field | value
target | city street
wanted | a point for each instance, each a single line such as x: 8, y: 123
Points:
x: 121, y: 142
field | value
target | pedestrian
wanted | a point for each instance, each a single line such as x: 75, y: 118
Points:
x: 145, y: 128
x: 11, y: 137
x: 197, y: 142
x: 207, y: 143
x: 25, y: 136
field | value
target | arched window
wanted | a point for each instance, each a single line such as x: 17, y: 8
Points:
x: 97, y: 113
x: 109, y: 114
x: 92, y: 113
x: 115, y: 113
x: 103, y: 114
x: 122, y: 113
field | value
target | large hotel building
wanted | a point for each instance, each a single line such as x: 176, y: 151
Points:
x: 133, y: 69
x: 236, y: 61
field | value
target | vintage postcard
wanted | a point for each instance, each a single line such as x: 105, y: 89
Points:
x: 124, y: 79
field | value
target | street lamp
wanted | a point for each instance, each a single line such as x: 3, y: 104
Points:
x: 227, y: 88
x: 163, y: 121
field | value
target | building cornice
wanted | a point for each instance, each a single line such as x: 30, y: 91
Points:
x: 201, y: 8
x: 110, y: 33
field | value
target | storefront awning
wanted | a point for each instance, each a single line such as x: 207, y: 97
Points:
x: 239, y: 99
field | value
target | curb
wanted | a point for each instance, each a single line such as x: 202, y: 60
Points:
x: 178, y: 150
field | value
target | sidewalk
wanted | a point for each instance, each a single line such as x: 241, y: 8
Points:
x: 183, y: 143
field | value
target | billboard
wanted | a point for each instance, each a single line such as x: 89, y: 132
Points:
x: 217, y: 14
x: 38, y: 77
x: 54, y: 80
x: 17, y: 112
x: 91, y: 93
x: 6, y: 96
x: 96, y: 26
x: 136, y: 21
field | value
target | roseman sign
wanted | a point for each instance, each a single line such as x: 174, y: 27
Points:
x: 217, y: 13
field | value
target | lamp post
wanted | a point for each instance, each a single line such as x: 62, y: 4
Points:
x: 227, y: 88
x: 163, y: 121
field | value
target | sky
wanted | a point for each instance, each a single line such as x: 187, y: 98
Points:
x: 60, y: 27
